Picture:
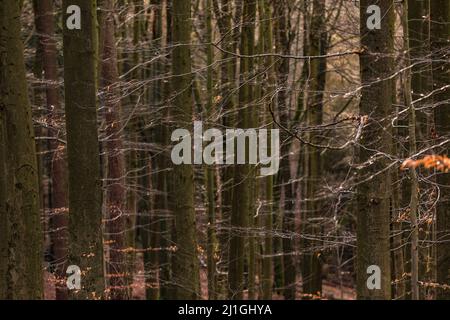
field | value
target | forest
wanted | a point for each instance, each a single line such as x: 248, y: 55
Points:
x: 224, y: 150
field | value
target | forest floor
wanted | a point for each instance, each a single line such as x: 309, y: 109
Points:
x: 330, y: 290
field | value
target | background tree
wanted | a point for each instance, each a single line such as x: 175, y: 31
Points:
x: 317, y: 46
x: 440, y: 31
x: 116, y: 194
x: 241, y: 207
x: 45, y: 27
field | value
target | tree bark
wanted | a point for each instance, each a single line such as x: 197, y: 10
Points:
x: 311, y: 265
x: 212, y: 246
x: 115, y: 175
x: 45, y: 27
x: 4, y: 225
x: 282, y: 42
x: 243, y: 173
x: 373, y: 219
x: 23, y: 278
x: 414, y: 203
x: 440, y: 34
x: 85, y: 194
x: 223, y: 11
x: 267, y: 271
x: 185, y: 265
x: 161, y: 199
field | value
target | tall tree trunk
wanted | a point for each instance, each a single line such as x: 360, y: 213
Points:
x: 185, y: 266
x: 414, y: 203
x: 212, y: 245
x: 85, y: 194
x: 45, y: 27
x: 243, y: 173
x: 153, y: 204
x: 418, y: 49
x: 373, y: 225
x: 267, y: 220
x: 440, y: 33
x: 224, y: 12
x: 161, y: 200
x: 23, y: 278
x: 4, y: 225
x: 281, y: 29
x: 115, y: 175
x: 131, y: 156
x: 311, y: 266
x: 252, y: 116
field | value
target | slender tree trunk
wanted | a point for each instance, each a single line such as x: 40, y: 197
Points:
x: 440, y: 31
x: 223, y: 11
x: 4, y: 226
x: 311, y: 266
x: 396, y: 189
x: 212, y: 245
x: 282, y: 42
x: 253, y: 122
x: 419, y: 49
x: 373, y: 225
x: 243, y: 173
x: 132, y: 137
x: 45, y: 27
x: 153, y: 203
x: 414, y: 204
x: 85, y: 194
x: 267, y: 220
x: 162, y: 201
x: 417, y: 11
x: 185, y: 265
x: 23, y: 233
x: 149, y: 231
x: 398, y: 258
x: 115, y: 175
